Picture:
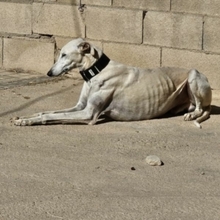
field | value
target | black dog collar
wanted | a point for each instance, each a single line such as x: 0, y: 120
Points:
x: 96, y: 68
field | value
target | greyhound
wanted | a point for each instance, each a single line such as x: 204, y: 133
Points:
x: 125, y: 93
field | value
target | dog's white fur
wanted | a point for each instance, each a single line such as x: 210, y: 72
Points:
x: 126, y: 93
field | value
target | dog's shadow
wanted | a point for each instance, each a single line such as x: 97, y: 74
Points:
x: 215, y: 110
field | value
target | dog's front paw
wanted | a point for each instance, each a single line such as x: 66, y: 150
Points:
x: 22, y: 122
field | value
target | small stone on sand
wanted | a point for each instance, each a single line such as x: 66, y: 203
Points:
x: 153, y: 160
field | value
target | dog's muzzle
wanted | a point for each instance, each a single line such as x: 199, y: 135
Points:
x: 50, y: 73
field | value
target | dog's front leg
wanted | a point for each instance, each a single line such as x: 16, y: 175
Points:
x: 78, y: 107
x: 58, y: 118
x: 81, y: 104
x: 92, y: 110
x: 95, y: 104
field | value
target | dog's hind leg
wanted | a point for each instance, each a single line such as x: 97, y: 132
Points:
x: 200, y: 95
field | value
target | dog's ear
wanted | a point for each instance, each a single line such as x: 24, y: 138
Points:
x: 84, y: 47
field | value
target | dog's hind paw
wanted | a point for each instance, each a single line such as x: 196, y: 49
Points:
x: 192, y: 115
x: 197, y: 124
x: 189, y: 116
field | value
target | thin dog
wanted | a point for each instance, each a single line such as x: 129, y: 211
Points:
x: 125, y: 93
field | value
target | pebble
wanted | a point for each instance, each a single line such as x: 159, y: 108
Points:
x: 153, y: 160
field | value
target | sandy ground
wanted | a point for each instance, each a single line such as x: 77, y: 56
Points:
x: 76, y: 172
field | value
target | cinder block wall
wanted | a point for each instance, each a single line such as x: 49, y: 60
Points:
x: 144, y: 33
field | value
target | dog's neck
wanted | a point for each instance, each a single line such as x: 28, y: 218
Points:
x: 88, y: 61
x: 93, y: 66
x: 90, y: 58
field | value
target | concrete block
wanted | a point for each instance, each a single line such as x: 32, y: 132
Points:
x: 1, y: 52
x: 28, y: 55
x: 98, y: 2
x: 173, y: 30
x: 61, y: 41
x: 15, y: 18
x: 95, y: 43
x: 57, y: 19
x: 72, y: 2
x: 118, y: 25
x: 208, y: 64
x: 87, y: 2
x: 133, y: 55
x: 44, y: 0
x: 163, y: 5
x: 212, y: 34
x: 18, y: 1
x: 210, y: 7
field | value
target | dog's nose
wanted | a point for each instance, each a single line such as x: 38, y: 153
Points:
x: 50, y: 73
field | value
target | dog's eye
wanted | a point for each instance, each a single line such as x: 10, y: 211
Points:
x: 63, y: 55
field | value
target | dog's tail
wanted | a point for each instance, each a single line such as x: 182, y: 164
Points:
x: 205, y: 115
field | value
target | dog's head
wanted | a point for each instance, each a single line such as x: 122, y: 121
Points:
x: 75, y: 54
